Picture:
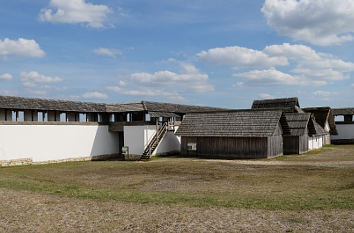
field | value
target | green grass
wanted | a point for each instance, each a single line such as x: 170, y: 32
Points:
x: 197, y: 182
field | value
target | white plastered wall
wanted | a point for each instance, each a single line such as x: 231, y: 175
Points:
x: 345, y: 131
x: 138, y: 137
x: 315, y: 142
x: 55, y: 142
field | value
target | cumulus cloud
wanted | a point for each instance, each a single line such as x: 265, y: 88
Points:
x: 107, y: 52
x: 122, y: 83
x: 269, y: 77
x: 8, y: 92
x: 75, y: 11
x: 320, y: 22
x: 147, y: 92
x: 324, y: 93
x: 39, y: 84
x: 189, y: 78
x: 95, y: 95
x: 166, y: 84
x: 240, y: 57
x: 310, y: 64
x: 20, y: 48
x: 265, y: 96
x: 33, y: 78
x: 6, y: 76
x: 304, y: 65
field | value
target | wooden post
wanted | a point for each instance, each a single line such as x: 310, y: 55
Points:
x: 34, y: 115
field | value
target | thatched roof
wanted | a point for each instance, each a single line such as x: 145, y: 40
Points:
x: 323, y: 115
x: 243, y: 123
x: 297, y: 123
x: 20, y: 103
x: 290, y: 105
x: 342, y: 111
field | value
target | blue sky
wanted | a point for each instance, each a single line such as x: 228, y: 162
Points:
x: 221, y: 53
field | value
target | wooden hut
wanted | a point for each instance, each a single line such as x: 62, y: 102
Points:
x: 297, y: 141
x: 324, y: 117
x: 233, y: 134
x: 305, y: 134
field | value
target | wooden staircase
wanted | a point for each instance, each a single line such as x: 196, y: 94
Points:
x: 154, y: 142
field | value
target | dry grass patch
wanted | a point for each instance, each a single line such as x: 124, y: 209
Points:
x: 288, y: 185
x: 23, y: 211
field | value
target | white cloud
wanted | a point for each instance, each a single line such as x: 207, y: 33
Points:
x: 147, y: 92
x: 273, y: 77
x: 165, y: 84
x: 265, y: 96
x: 310, y: 64
x: 20, y: 48
x: 33, y: 78
x: 353, y: 85
x: 324, y: 93
x: 189, y: 78
x: 240, y: 57
x: 8, y: 92
x: 6, y: 76
x: 39, y: 84
x: 320, y: 22
x: 122, y: 83
x: 75, y: 11
x: 95, y: 95
x: 107, y: 52
x: 303, y: 65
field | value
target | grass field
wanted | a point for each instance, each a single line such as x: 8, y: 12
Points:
x: 291, y: 193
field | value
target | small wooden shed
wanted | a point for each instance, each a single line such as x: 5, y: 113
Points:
x: 297, y: 141
x: 305, y: 134
x: 233, y: 134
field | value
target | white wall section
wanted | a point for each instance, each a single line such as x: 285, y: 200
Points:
x: 55, y: 142
x: 138, y: 137
x: 345, y: 131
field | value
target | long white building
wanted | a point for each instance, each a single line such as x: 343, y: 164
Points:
x: 41, y: 131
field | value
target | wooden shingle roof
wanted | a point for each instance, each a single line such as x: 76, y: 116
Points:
x: 342, y: 111
x: 176, y: 108
x: 318, y: 130
x: 297, y: 123
x: 150, y: 106
x: 20, y: 103
x: 323, y: 115
x: 243, y: 123
x: 125, y: 107
x: 290, y: 105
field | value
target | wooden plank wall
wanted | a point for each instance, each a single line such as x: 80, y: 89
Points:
x: 303, y: 144
x: 291, y: 145
x: 326, y: 139
x: 275, y: 146
x: 223, y: 147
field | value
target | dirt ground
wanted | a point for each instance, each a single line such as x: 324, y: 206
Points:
x: 303, y: 193
x: 22, y: 211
